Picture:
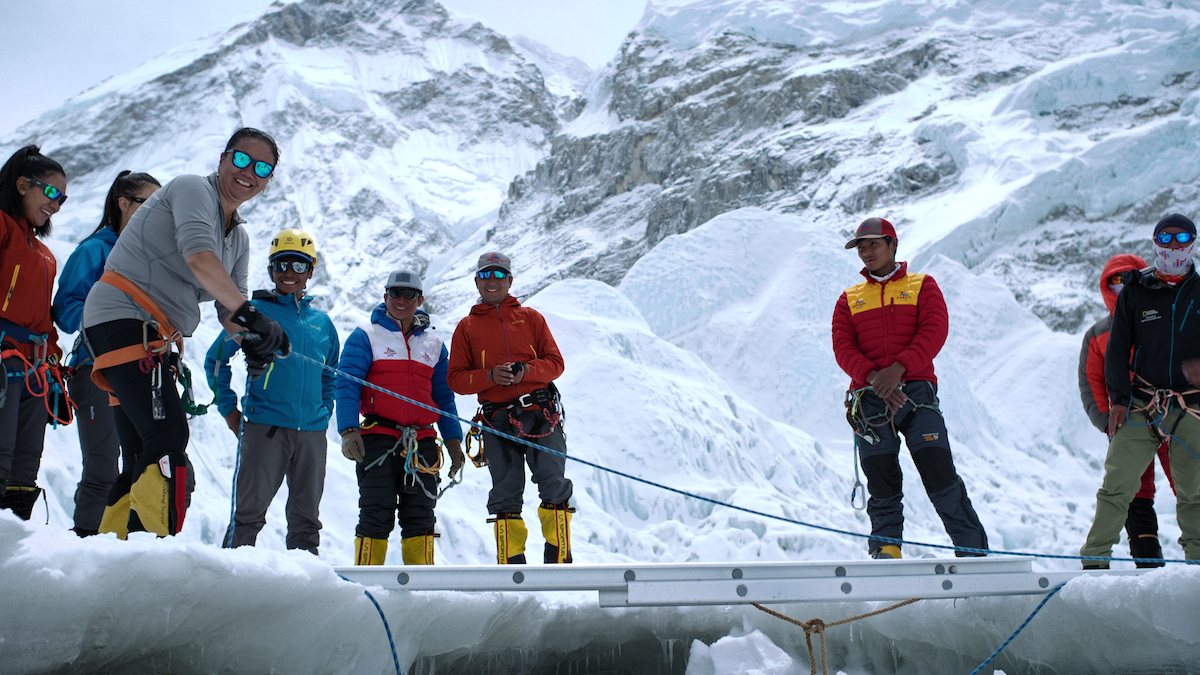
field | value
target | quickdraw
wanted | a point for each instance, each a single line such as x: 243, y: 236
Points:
x: 475, y: 435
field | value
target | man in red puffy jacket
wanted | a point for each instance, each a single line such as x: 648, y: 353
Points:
x: 886, y: 331
x: 1142, y: 522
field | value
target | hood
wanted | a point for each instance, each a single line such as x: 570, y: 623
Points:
x: 1122, y: 262
x: 481, y: 308
x: 380, y: 316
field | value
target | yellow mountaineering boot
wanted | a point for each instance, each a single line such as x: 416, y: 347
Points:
x: 511, y: 534
x: 368, y: 551
x: 417, y: 550
x: 116, y: 518
x: 556, y: 528
x: 886, y: 552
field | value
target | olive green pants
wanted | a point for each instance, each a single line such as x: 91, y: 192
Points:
x: 1129, y: 453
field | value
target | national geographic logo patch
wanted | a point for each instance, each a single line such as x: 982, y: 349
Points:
x: 1150, y: 315
x: 929, y: 438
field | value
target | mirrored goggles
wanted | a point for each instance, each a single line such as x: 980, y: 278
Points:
x: 406, y: 293
x: 53, y: 193
x: 241, y: 160
x: 1165, y: 238
x: 297, y: 266
x: 488, y: 274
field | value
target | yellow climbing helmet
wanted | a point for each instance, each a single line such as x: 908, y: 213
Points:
x: 293, y: 242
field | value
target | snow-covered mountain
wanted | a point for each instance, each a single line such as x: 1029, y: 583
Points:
x: 680, y: 215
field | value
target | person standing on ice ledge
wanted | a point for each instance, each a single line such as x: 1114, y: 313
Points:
x: 505, y: 354
x: 287, y: 410
x: 886, y: 332
x: 184, y: 246
x: 1142, y: 522
x: 395, y: 445
x: 1156, y: 335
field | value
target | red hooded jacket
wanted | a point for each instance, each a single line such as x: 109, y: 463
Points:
x: 27, y: 270
x: 495, y: 334
x: 876, y: 324
x: 1091, y: 358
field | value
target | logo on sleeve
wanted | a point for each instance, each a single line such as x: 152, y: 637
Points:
x: 1150, y: 315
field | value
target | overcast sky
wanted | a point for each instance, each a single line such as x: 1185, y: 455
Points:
x: 54, y: 49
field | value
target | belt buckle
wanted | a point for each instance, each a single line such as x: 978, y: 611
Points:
x: 523, y: 400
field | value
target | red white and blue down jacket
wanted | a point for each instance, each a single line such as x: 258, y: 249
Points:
x: 902, y: 319
x: 412, y: 365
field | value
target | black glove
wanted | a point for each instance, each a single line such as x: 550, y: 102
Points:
x: 265, y: 337
x: 256, y: 365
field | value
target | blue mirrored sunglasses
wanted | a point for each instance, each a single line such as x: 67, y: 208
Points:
x: 1165, y: 238
x: 298, y: 266
x: 53, y: 193
x: 241, y: 160
x: 488, y: 274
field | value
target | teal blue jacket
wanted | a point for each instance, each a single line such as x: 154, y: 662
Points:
x: 293, y: 393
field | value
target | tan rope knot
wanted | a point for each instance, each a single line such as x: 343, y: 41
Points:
x: 818, y: 627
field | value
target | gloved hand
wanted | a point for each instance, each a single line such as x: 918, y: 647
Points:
x: 352, y: 444
x: 257, y: 365
x: 266, y: 335
x: 457, y: 458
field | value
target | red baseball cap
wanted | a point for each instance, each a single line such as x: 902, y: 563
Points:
x: 872, y: 228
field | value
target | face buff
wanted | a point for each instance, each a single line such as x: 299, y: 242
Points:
x: 1173, y: 264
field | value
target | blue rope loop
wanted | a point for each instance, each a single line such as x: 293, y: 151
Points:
x: 715, y: 502
x: 386, y: 627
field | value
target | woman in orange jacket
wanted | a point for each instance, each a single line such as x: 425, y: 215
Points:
x: 32, y: 189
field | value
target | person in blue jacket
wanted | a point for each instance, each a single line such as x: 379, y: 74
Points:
x: 395, y: 444
x: 285, y: 412
x: 97, y: 421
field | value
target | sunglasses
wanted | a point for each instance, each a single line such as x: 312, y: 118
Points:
x: 297, y: 266
x: 406, y: 293
x: 53, y: 193
x: 1115, y: 279
x: 488, y: 274
x: 1165, y: 238
x: 241, y: 160
x: 139, y: 200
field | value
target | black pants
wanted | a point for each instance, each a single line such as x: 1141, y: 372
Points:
x: 99, y: 446
x: 925, y: 434
x: 144, y: 440
x: 506, y: 458
x: 385, y: 489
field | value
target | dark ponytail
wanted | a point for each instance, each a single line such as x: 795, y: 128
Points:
x: 126, y: 185
x: 28, y: 162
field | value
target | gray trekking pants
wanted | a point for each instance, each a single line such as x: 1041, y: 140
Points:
x: 266, y: 455
x: 22, y: 431
x: 100, y: 447
x: 506, y: 459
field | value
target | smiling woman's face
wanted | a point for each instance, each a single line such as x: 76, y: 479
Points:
x: 37, y: 207
x: 241, y: 185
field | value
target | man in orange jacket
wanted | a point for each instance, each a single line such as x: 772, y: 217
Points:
x: 505, y: 354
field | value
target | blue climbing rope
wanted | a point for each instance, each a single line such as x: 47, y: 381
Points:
x: 1019, y: 629
x: 715, y: 502
x: 386, y: 627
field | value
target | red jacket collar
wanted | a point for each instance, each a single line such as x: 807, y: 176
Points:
x: 481, y: 308
x: 900, y: 272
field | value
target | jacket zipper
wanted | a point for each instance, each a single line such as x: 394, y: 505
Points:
x: 12, y: 287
